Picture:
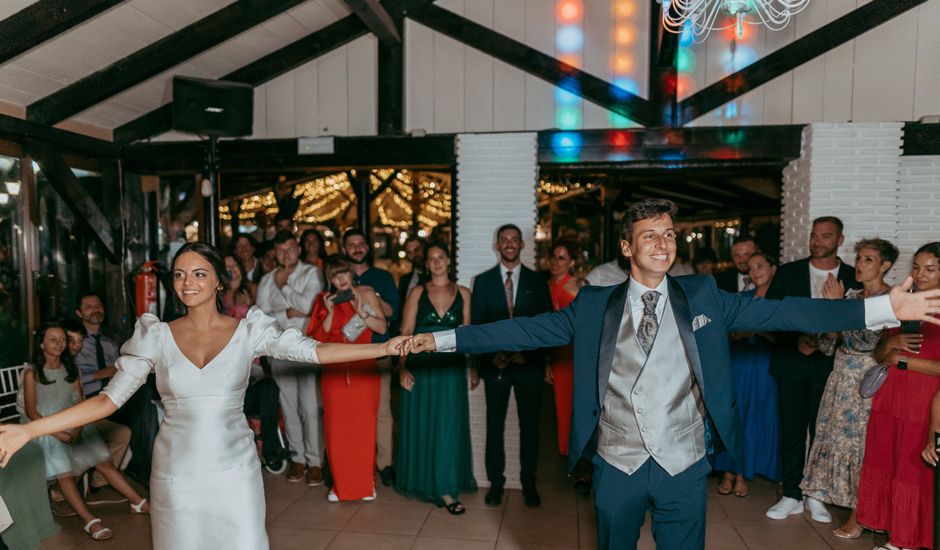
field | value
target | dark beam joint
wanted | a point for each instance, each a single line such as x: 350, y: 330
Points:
x: 68, y: 187
x: 391, y: 92
x: 155, y: 58
x: 255, y: 73
x: 536, y: 63
x: 386, y: 183
x: 380, y: 23
x: 43, y: 21
x: 664, y: 47
x: 17, y: 129
x: 791, y: 56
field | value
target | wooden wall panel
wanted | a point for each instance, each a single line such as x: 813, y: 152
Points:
x: 281, y: 107
x: 884, y: 71
x: 332, y: 92
x: 927, y: 76
x: 307, y: 100
x: 419, y: 77
x: 362, y: 77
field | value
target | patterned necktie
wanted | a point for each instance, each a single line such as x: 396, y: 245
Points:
x: 649, y: 324
x: 508, y: 286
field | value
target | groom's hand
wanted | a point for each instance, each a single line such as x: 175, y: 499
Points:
x: 422, y: 342
x: 917, y: 306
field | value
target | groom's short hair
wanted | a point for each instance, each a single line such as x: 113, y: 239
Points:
x: 645, y: 210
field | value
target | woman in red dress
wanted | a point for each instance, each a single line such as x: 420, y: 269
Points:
x: 895, y: 492
x: 350, y: 390
x: 564, y: 287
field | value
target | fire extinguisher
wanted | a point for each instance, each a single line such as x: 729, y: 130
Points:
x: 146, y: 289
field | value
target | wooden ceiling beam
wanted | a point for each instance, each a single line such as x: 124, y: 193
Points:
x: 19, y: 130
x: 155, y: 58
x: 663, y: 50
x: 256, y: 73
x: 374, y: 16
x: 43, y: 21
x: 791, y: 56
x: 535, y: 63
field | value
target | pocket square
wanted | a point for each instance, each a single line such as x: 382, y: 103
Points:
x: 700, y: 321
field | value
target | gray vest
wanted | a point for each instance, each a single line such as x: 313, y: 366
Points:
x: 652, y: 406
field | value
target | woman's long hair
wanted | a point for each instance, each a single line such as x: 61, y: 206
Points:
x: 321, y: 252
x: 216, y: 260
x: 39, y: 358
x: 426, y: 276
x: 243, y: 288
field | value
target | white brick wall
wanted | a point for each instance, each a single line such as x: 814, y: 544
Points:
x: 918, y: 208
x: 496, y: 181
x: 856, y: 172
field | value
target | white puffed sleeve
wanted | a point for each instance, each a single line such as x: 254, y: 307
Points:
x: 267, y: 339
x: 138, y: 356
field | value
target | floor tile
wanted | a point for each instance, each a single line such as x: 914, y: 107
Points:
x: 555, y: 500
x: 474, y: 524
x: 431, y: 543
x: 539, y: 528
x: 385, y: 519
x: 361, y: 541
x: 292, y: 538
x: 783, y: 537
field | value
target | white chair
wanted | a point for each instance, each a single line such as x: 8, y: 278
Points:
x: 10, y: 378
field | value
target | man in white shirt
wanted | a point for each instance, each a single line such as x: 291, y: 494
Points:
x: 610, y: 273
x: 287, y: 294
x: 800, y: 369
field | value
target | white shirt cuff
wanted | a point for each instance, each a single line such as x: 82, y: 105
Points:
x: 879, y: 314
x: 445, y: 340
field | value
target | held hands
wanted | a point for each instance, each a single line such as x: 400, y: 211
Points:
x: 421, y: 342
x: 917, y: 306
x: 12, y: 439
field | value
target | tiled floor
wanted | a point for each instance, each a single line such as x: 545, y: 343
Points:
x: 301, y: 518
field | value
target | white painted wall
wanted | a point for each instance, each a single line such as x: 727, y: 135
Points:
x: 891, y: 73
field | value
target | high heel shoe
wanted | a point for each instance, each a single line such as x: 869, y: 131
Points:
x: 843, y: 534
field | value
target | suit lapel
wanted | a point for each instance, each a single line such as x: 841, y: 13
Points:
x: 610, y: 329
x: 683, y: 314
x: 805, y: 288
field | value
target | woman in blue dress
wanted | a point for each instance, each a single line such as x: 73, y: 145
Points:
x: 756, y: 392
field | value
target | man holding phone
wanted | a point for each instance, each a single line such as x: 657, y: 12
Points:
x: 287, y: 294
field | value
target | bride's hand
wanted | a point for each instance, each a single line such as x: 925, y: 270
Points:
x: 396, y: 346
x: 12, y: 439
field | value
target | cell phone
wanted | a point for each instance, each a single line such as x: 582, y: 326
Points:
x: 343, y: 296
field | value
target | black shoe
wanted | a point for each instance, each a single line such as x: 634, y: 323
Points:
x: 531, y: 497
x: 494, y: 497
x: 388, y: 476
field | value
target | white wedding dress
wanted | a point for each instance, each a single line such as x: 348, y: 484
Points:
x: 205, y: 487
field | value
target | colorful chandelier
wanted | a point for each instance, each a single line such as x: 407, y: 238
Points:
x: 703, y: 16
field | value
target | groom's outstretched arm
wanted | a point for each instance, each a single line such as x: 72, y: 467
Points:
x: 547, y: 330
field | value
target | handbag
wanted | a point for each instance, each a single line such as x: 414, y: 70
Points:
x: 353, y: 328
x: 872, y: 380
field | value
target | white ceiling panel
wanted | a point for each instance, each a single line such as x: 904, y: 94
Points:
x: 133, y: 25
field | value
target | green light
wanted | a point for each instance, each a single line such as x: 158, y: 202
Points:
x: 568, y: 118
x: 619, y: 121
x: 685, y: 60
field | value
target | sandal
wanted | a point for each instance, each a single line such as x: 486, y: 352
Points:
x: 843, y: 534
x: 101, y: 534
x: 737, y: 491
x: 455, y: 508
x: 139, y: 507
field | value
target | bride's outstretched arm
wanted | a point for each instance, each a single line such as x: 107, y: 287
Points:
x: 341, y: 353
x: 14, y: 436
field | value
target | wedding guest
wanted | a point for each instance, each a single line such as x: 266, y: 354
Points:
x: 349, y: 314
x: 835, y: 459
x: 756, y: 395
x: 895, y: 490
x: 435, y: 462
x: 50, y: 385
x: 239, y: 294
x: 244, y: 247
x: 311, y: 241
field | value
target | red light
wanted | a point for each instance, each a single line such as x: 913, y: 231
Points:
x: 569, y: 10
x: 731, y: 33
x: 621, y: 140
x: 684, y: 86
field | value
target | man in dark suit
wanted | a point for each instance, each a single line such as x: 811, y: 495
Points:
x: 508, y: 290
x: 800, y: 369
x: 736, y: 279
x: 652, y: 382
x: 414, y: 251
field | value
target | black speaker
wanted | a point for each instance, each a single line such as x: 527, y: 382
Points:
x: 212, y: 107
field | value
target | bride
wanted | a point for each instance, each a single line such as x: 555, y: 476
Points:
x: 206, y: 488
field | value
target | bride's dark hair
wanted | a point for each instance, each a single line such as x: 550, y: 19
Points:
x: 215, y: 259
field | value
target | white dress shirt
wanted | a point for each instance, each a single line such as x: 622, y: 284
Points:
x: 635, y: 292
x: 606, y: 274
x: 302, y: 286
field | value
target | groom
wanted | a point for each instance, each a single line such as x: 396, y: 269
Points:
x: 652, y: 384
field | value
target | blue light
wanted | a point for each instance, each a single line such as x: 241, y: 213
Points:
x: 731, y: 110
x: 741, y: 56
x: 686, y: 38
x: 566, y: 94
x: 623, y: 84
x: 567, y: 145
x: 569, y: 39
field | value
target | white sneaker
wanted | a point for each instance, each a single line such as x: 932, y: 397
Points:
x: 369, y: 499
x: 331, y: 496
x: 817, y: 510
x: 785, y: 507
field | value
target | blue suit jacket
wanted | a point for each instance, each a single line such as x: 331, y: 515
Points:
x: 592, y: 321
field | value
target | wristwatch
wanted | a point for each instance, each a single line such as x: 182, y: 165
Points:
x: 902, y: 364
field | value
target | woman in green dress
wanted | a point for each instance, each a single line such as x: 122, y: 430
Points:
x: 435, y: 462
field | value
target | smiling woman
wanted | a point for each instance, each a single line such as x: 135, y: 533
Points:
x: 204, y: 456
